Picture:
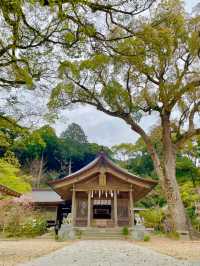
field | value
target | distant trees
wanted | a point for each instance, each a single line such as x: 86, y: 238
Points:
x: 75, y: 150
x: 10, y: 130
x: 74, y: 132
x: 43, y: 155
x: 136, y: 159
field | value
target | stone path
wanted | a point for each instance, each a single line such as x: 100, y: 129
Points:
x: 106, y: 253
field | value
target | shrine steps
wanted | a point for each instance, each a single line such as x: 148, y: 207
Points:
x: 100, y: 233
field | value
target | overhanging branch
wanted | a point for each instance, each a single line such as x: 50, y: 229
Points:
x: 186, y: 136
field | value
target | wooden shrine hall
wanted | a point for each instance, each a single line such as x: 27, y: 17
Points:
x: 102, y: 194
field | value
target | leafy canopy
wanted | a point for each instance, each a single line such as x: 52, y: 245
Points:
x: 156, y: 69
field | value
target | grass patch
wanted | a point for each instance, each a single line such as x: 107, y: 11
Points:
x: 146, y: 238
x: 125, y: 231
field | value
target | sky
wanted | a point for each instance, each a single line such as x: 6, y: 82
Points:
x: 101, y: 128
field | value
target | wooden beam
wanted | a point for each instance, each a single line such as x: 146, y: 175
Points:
x: 89, y: 209
x: 73, y: 180
x: 7, y: 191
x: 131, y: 207
x: 88, y: 174
x: 100, y: 188
x: 115, y: 209
x: 73, y: 206
x: 128, y: 179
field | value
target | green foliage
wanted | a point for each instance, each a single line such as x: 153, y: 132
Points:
x: 189, y: 194
x: 21, y: 220
x: 153, y: 199
x: 153, y: 218
x: 74, y: 132
x: 69, y: 37
x: 43, y: 146
x: 115, y: 96
x: 125, y: 231
x: 186, y: 170
x: 174, y: 235
x: 9, y: 132
x: 10, y: 177
x: 89, y: 30
x: 33, y: 227
x: 196, y: 223
x: 11, y: 159
x: 97, y: 60
x: 23, y: 74
x: 146, y: 238
x: 68, y: 66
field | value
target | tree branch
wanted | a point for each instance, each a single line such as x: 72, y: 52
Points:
x: 186, y: 136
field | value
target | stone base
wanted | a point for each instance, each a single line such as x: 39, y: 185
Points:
x: 184, y: 235
x: 138, y: 232
x: 66, y: 232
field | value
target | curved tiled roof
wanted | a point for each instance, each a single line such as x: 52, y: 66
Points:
x: 102, y: 159
x: 44, y: 196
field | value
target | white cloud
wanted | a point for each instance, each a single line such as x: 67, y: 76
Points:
x: 101, y: 128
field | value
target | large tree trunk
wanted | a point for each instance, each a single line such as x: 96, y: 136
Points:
x: 166, y: 172
x: 170, y: 185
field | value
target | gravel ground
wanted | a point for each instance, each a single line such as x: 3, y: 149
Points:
x: 106, y: 253
x: 188, y: 250
x: 17, y: 251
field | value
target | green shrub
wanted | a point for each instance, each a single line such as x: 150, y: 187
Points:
x: 30, y: 227
x: 153, y: 218
x: 189, y: 194
x: 33, y: 226
x: 146, y: 238
x: 173, y: 235
x: 78, y: 234
x: 196, y: 223
x: 21, y: 220
x: 125, y: 231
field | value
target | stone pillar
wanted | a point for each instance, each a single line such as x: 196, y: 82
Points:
x: 73, y: 206
x: 115, y: 208
x: 131, y: 207
x: 89, y: 209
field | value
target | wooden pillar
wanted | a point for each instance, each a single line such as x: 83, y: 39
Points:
x: 73, y: 206
x: 115, y: 208
x: 89, y: 209
x: 131, y: 207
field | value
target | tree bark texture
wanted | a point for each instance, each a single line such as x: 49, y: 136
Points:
x: 166, y: 171
x: 170, y: 185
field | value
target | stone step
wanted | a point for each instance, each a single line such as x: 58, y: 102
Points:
x: 102, y: 233
x: 101, y: 237
x: 96, y: 233
x: 97, y: 230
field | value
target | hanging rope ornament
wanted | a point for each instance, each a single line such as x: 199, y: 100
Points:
x: 111, y: 193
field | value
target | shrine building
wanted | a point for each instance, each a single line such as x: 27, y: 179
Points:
x: 102, y: 194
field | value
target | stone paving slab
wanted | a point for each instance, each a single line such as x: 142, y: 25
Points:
x: 106, y: 253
